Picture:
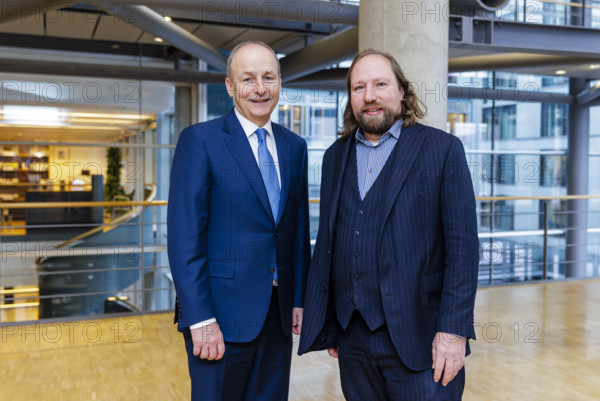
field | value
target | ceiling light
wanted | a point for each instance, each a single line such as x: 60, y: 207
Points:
x: 35, y: 115
x: 112, y: 115
x: 594, y: 66
x: 560, y: 72
x: 168, y: 19
x: 157, y: 39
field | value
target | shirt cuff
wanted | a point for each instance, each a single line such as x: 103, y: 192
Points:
x: 204, y: 323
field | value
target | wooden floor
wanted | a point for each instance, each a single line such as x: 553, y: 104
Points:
x: 535, y: 342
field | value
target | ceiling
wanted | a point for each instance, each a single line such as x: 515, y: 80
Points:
x: 94, y: 26
x: 107, y: 99
x: 88, y: 27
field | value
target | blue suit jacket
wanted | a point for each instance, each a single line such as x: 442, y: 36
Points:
x: 222, y: 234
x: 428, y: 246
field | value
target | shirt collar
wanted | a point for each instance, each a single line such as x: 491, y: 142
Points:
x: 394, y: 132
x: 249, y: 127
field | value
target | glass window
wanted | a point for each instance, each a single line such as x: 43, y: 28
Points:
x: 553, y: 171
x: 557, y: 213
x: 284, y: 116
x: 555, y: 119
x: 322, y: 122
x: 504, y: 120
x: 501, y: 215
x: 507, y: 117
x: 506, y: 169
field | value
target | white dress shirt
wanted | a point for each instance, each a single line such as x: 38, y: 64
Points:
x: 249, y: 127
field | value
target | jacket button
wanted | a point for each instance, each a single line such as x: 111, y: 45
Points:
x: 272, y: 270
x: 329, y: 252
x: 360, y: 213
x: 325, y: 288
x: 277, y: 233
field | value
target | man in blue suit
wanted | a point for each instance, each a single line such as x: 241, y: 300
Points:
x: 238, y: 239
x: 391, y: 287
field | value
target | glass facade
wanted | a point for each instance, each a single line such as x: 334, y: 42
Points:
x: 513, y: 149
x: 83, y: 140
x: 520, y: 149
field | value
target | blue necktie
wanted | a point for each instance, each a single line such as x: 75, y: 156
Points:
x: 268, y: 171
x: 269, y: 174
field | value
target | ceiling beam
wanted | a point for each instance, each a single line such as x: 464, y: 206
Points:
x: 509, y: 36
x: 322, y: 54
x: 497, y: 62
x: 311, y: 11
x: 507, y: 61
x: 477, y: 7
x: 110, y: 71
x: 162, y: 52
x: 512, y: 95
x: 195, y: 16
x: 307, y: 11
x: 155, y: 24
x: 589, y: 96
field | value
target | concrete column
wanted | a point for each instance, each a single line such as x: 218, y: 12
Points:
x: 416, y: 34
x: 577, y: 182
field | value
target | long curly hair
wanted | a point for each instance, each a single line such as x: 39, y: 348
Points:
x: 413, y: 109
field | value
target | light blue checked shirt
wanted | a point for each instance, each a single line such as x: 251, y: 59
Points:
x: 370, y: 158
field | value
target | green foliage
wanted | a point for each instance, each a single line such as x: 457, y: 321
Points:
x: 113, y: 187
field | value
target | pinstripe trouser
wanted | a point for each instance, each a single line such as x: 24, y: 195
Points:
x: 371, y: 370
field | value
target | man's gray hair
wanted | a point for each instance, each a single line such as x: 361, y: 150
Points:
x: 250, y: 42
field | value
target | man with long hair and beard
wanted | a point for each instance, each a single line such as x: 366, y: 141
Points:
x: 391, y: 286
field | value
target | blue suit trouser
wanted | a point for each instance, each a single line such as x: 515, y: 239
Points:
x: 258, y: 370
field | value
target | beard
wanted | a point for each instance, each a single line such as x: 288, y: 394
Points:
x: 377, y: 125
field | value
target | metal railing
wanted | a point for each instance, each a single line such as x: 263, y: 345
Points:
x: 546, y: 249
x: 106, y: 270
x: 87, y: 266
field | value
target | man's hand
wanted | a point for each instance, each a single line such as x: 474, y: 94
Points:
x: 333, y: 352
x: 448, y: 354
x: 208, y: 342
x: 297, y: 320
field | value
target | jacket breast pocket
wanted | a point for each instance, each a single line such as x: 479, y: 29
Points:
x: 433, y: 282
x: 221, y: 269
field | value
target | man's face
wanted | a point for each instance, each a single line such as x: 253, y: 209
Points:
x: 254, y: 83
x: 374, y: 95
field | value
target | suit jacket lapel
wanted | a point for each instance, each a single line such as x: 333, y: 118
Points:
x: 242, y: 153
x: 284, y: 158
x: 339, y: 167
x: 402, y: 158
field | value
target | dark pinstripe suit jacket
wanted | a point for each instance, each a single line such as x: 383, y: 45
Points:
x: 428, y: 246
